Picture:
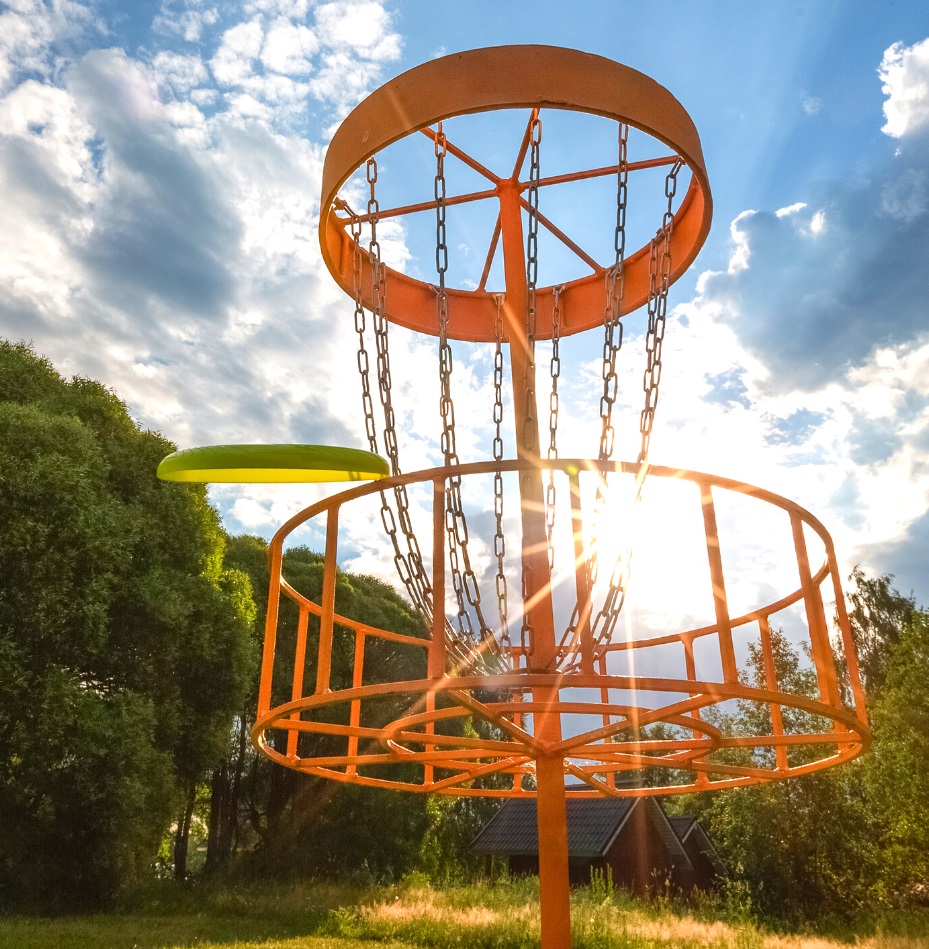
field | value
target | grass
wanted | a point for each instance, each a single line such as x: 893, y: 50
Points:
x: 413, y: 914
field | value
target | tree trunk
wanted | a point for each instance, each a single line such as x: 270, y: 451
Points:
x: 183, y: 834
x: 215, y: 844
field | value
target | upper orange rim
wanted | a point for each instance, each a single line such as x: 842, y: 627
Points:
x: 504, y: 77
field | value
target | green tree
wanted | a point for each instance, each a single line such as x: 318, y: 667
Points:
x: 124, y: 643
x: 897, y: 771
x: 831, y: 842
x: 878, y: 614
x: 300, y: 824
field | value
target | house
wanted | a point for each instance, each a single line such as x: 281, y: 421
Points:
x: 632, y: 836
x: 709, y: 869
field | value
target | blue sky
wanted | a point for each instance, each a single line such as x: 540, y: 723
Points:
x: 161, y: 162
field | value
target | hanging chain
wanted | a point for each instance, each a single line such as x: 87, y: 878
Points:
x: 499, y: 536
x: 464, y: 581
x: 615, y: 279
x: 614, y: 289
x: 659, y: 282
x: 529, y: 435
x: 409, y: 566
x: 553, y: 405
x: 364, y: 369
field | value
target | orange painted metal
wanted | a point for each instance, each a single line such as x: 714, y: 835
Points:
x: 504, y: 78
x: 596, y: 755
x: 544, y: 727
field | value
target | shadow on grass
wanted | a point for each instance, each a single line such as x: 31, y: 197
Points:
x: 168, y: 917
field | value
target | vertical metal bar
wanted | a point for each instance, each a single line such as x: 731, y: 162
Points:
x: 324, y: 663
x: 701, y: 780
x: 816, y: 618
x: 553, y: 835
x: 531, y: 489
x: 296, y: 691
x: 581, y: 583
x: 553, y: 853
x: 275, y: 558
x: 605, y: 699
x: 848, y: 644
x: 436, y: 658
x: 720, y: 603
x: 354, y: 717
x: 771, y: 683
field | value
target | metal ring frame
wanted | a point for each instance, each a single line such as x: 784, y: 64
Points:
x: 535, y: 77
x: 595, y: 756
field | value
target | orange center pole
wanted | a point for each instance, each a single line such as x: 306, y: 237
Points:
x: 550, y: 790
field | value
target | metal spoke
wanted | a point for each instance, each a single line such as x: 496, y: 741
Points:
x: 560, y: 234
x: 463, y: 156
x: 491, y: 253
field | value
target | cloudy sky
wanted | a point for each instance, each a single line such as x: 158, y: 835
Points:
x: 160, y: 165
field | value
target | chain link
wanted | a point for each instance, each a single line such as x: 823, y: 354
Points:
x: 464, y: 582
x: 614, y: 289
x: 499, y: 536
x: 553, y: 406
x: 659, y: 282
x: 529, y: 434
x: 408, y: 565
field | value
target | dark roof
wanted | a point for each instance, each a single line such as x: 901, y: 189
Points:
x: 593, y: 824
x: 683, y: 826
x: 690, y: 829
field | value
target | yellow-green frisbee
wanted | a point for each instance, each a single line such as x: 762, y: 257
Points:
x: 265, y: 464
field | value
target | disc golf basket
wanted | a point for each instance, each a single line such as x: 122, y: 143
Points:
x: 541, y: 673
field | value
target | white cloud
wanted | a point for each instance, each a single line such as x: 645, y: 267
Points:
x: 240, y: 47
x: 189, y: 23
x: 30, y: 28
x: 904, y: 70
x: 363, y: 26
x: 179, y: 72
x: 288, y: 47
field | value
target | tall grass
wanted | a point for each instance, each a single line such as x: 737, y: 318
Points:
x: 499, y: 915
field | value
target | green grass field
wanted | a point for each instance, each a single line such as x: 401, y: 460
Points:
x: 413, y: 914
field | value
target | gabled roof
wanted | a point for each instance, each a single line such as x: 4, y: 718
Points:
x: 690, y: 831
x: 593, y: 824
x: 683, y: 827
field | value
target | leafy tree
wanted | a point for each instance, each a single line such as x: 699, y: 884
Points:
x: 898, y: 769
x: 833, y: 841
x: 877, y: 614
x: 300, y: 824
x: 123, y: 641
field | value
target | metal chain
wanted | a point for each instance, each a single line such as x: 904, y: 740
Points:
x: 659, y: 282
x: 409, y: 565
x: 553, y: 406
x: 615, y: 280
x: 614, y: 289
x: 529, y: 434
x: 464, y: 581
x: 499, y: 536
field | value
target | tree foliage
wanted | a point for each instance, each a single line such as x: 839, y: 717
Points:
x: 123, y: 640
x: 842, y: 840
x: 282, y: 822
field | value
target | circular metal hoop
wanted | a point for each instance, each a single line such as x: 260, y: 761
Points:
x: 362, y: 727
x: 497, y: 78
x: 451, y: 764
